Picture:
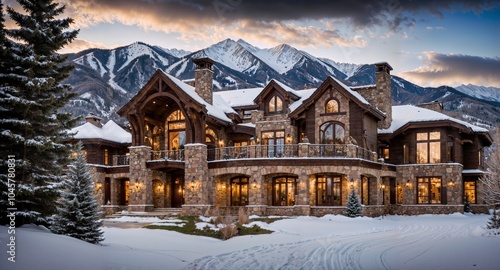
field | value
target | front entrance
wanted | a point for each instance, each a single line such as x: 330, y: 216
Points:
x: 124, y: 192
x: 178, y: 192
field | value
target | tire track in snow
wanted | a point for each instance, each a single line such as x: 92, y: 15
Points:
x: 381, y: 248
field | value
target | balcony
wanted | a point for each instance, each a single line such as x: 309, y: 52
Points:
x: 291, y: 151
x: 121, y: 160
x: 274, y: 152
x: 170, y: 155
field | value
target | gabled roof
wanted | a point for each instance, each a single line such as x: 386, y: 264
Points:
x: 338, y: 85
x: 406, y: 115
x: 239, y: 97
x: 218, y: 110
x: 110, y: 132
x: 283, y: 89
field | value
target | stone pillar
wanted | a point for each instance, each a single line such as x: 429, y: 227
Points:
x: 302, y: 206
x: 383, y: 94
x: 203, y: 78
x: 141, y: 186
x: 197, y: 183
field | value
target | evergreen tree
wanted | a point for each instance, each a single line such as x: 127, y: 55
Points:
x: 494, y: 222
x: 353, y: 208
x: 78, y: 214
x: 32, y: 130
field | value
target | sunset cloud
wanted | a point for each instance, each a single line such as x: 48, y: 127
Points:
x: 455, y: 69
x: 79, y: 45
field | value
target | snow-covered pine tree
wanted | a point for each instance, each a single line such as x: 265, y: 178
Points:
x: 32, y: 130
x: 491, y: 181
x: 353, y: 208
x: 78, y: 214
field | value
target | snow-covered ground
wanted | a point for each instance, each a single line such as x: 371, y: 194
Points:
x: 331, y: 242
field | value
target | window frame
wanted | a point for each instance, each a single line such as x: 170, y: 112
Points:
x: 335, y: 186
x: 428, y: 147
x: 474, y: 190
x: 334, y: 133
x: 239, y: 183
x: 428, y: 196
x: 275, y: 99
x: 285, y: 200
x: 336, y: 102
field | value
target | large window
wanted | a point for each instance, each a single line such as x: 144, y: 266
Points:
x: 274, y: 142
x: 176, y: 125
x: 275, y: 105
x: 429, y: 190
x: 329, y: 190
x: 429, y: 147
x: 284, y: 191
x: 470, y: 191
x: 239, y: 191
x: 332, y: 133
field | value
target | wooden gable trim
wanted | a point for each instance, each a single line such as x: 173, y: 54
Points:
x: 272, y: 85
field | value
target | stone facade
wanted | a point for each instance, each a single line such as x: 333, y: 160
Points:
x: 141, y: 188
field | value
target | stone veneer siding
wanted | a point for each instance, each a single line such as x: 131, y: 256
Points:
x: 141, y: 188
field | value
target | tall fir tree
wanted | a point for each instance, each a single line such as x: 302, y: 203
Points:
x: 78, y: 214
x: 353, y: 208
x: 32, y: 130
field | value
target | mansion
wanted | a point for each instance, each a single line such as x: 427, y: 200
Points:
x: 281, y: 151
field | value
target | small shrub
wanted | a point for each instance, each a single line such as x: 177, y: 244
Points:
x: 494, y: 221
x: 229, y: 229
x: 243, y: 216
x: 467, y: 208
x: 217, y: 216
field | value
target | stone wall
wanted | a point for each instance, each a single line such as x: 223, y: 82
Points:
x: 141, y: 188
x: 203, y: 78
x: 421, y: 209
x: 321, y: 117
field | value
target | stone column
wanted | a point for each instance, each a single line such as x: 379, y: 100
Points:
x: 302, y: 206
x: 197, y: 181
x: 141, y: 185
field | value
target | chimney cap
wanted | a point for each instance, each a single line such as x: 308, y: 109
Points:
x: 203, y: 60
x: 383, y: 64
x: 92, y: 115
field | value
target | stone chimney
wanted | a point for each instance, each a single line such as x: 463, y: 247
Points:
x: 203, y: 78
x: 383, y: 99
x: 435, y: 106
x: 94, y: 120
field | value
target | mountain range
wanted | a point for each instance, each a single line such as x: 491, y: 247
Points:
x: 106, y: 79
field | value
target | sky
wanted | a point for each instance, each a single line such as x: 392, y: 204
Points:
x: 427, y: 42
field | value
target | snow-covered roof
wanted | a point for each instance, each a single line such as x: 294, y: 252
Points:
x: 405, y: 114
x: 363, y: 86
x: 303, y: 94
x: 240, y: 97
x: 348, y: 89
x: 109, y: 132
x: 215, y: 111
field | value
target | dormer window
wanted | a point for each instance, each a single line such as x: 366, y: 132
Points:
x: 332, y: 106
x: 275, y: 105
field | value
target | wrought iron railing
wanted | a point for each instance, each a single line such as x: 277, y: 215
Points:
x: 173, y: 155
x: 121, y: 160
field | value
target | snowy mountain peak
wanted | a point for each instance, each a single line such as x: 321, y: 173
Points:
x: 481, y: 92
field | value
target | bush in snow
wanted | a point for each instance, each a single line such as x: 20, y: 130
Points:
x: 467, y: 208
x: 242, y: 216
x: 78, y: 214
x: 494, y: 221
x: 353, y: 208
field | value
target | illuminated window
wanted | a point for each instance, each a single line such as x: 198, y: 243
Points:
x: 284, y: 191
x: 332, y: 106
x: 274, y: 142
x: 239, y: 191
x: 176, y: 126
x: 429, y: 190
x: 106, y: 157
x: 429, y: 147
x: 275, y: 105
x: 329, y: 190
x: 470, y: 191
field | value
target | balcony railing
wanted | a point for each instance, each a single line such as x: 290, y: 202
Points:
x: 121, y: 160
x: 172, y: 155
x: 276, y: 151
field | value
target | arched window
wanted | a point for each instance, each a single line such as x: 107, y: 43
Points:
x: 332, y: 133
x: 275, y: 105
x: 332, y: 106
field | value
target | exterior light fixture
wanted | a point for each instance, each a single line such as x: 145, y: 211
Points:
x: 451, y: 183
x: 407, y: 184
x: 99, y: 186
x: 382, y: 186
x: 193, y: 183
x: 351, y: 184
x: 288, y: 138
x: 137, y: 185
x: 254, y: 184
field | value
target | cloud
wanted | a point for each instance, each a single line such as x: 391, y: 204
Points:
x: 455, y: 69
x: 430, y: 28
x: 80, y: 44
